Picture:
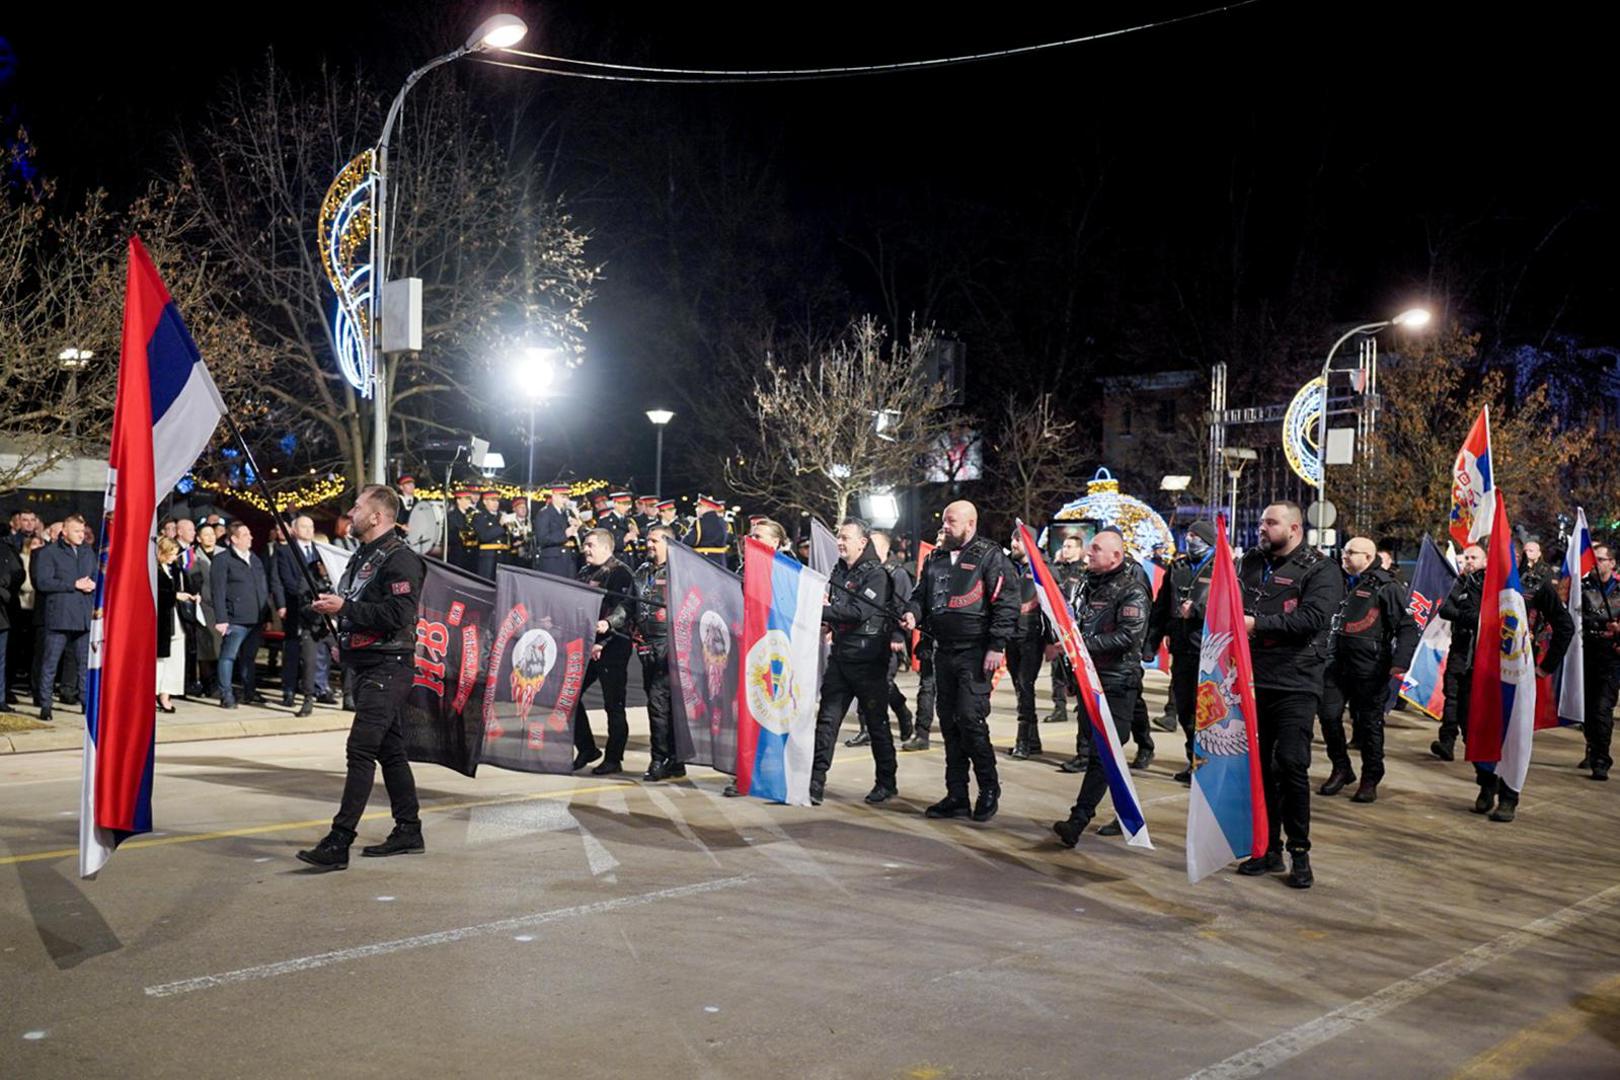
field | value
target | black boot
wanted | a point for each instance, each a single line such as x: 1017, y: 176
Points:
x: 1366, y: 793
x: 676, y: 770
x: 1269, y: 863
x: 332, y: 853
x: 818, y: 791
x: 882, y: 792
x: 583, y: 758
x: 1143, y: 759
x: 308, y: 707
x: 608, y: 768
x: 1300, y: 876
x: 404, y: 840
x: 1056, y: 716
x: 1507, y: 805
x: 1020, y: 746
x: 988, y: 802
x: 1068, y: 832
x: 1336, y: 781
x: 918, y: 741
x: 1487, y: 795
x: 1113, y: 828
x: 732, y: 791
x: 860, y: 738
x: 1165, y: 721
x: 951, y: 806
x: 657, y: 769
x: 1184, y: 776
x: 1442, y: 750
x: 906, y: 724
x: 1073, y: 765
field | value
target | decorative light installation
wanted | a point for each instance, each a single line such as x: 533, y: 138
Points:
x: 345, y: 237
x: 1145, y: 532
x: 1299, y: 431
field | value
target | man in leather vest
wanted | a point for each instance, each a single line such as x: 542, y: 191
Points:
x: 610, y: 656
x: 1178, y: 615
x: 859, y: 612
x: 1290, y: 593
x: 1024, y: 654
x: 900, y: 648
x: 1372, y: 641
x: 1112, y: 616
x: 375, y: 607
x: 1600, y: 632
x: 967, y: 601
x: 1069, y: 570
x: 652, y: 647
x: 1461, y: 609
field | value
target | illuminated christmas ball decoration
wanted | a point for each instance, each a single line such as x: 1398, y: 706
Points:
x: 1299, y: 432
x: 1145, y: 532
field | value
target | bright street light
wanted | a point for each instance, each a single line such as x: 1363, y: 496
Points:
x: 536, y: 371
x: 1414, y: 319
x: 498, y: 32
x: 660, y: 416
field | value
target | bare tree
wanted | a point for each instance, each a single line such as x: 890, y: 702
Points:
x: 62, y: 275
x: 502, y: 265
x: 856, y: 414
x: 1034, y: 457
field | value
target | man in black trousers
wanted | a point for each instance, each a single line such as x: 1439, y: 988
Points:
x: 290, y: 586
x: 610, y: 656
x: 65, y: 587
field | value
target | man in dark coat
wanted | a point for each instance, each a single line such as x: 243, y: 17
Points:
x: 241, y: 595
x: 65, y: 589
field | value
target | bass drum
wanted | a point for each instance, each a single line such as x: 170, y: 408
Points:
x: 425, y: 529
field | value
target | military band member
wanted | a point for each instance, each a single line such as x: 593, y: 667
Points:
x: 489, y: 532
x: 554, y: 526
x: 709, y: 535
x: 463, y: 542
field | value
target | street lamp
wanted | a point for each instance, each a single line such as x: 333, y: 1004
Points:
x: 73, y: 361
x: 495, y: 32
x: 1410, y: 319
x: 535, y: 372
x: 660, y: 418
x: 1235, y: 457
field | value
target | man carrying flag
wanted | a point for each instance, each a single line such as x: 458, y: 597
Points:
x: 1600, y: 624
x: 1579, y: 561
x: 1106, y: 650
x: 1472, y: 488
x: 1290, y: 593
x: 166, y: 411
x: 1502, y: 698
x: 1226, y: 808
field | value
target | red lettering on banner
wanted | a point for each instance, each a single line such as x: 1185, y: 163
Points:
x: 510, y: 625
x: 467, y: 676
x: 432, y: 640
x: 457, y: 610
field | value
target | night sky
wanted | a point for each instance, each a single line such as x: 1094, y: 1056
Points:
x: 1366, y: 125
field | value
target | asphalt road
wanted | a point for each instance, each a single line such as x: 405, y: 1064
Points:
x: 581, y: 927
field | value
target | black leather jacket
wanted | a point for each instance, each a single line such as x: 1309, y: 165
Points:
x: 974, y: 601
x: 1292, y: 600
x: 1112, y: 610
x: 382, y: 591
x: 652, y: 618
x: 861, y: 628
x: 1372, y: 630
x: 1461, y: 609
x: 1188, y: 583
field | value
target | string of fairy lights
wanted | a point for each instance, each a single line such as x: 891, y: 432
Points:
x: 330, y: 487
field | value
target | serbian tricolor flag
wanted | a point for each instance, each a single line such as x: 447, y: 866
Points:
x: 1502, y: 709
x: 1127, y: 807
x: 1423, y: 685
x: 1226, y: 809
x: 1472, y: 488
x: 166, y: 411
x: 776, y: 703
x: 1578, y: 562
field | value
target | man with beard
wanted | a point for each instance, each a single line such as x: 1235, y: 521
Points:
x: 652, y: 646
x: 1112, y: 612
x: 858, y: 612
x: 1178, y: 614
x: 610, y: 656
x: 1461, y: 609
x: 1290, y: 593
x: 967, y: 601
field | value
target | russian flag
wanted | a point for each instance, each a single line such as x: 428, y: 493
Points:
x: 1472, y: 489
x: 165, y: 413
x: 1226, y: 812
x: 1579, y: 561
x: 1502, y: 709
x: 1127, y: 807
x: 776, y: 700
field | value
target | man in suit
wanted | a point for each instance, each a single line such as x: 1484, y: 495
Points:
x: 290, y: 588
x: 241, y: 594
x: 65, y: 583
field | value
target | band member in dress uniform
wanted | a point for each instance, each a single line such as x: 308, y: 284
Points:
x: 490, y: 533
x: 407, y: 497
x: 463, y: 543
x: 520, y: 530
x: 617, y: 520
x: 666, y: 514
x: 646, y: 515
x: 709, y: 535
x: 555, y: 528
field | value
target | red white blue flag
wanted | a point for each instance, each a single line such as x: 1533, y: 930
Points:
x: 1579, y: 561
x: 1226, y: 810
x: 165, y: 414
x: 1472, y: 488
x: 1502, y: 710
x: 776, y: 703
x: 1127, y: 807
x: 1423, y: 685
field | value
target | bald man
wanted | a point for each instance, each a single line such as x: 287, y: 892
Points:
x: 967, y: 601
x: 1290, y: 593
x: 1372, y: 642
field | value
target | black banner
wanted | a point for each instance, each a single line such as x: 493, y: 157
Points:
x: 705, y: 662
x: 444, y: 722
x: 544, y: 627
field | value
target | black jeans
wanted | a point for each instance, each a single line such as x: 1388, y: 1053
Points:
x: 1122, y: 700
x: 1286, y: 720
x: 1184, y: 692
x: 897, y: 700
x: 297, y: 660
x: 1458, y: 685
x: 613, y: 669
x: 660, y: 714
x: 866, y: 683
x: 964, y: 709
x: 1024, y: 665
x: 1060, y: 689
x: 1365, y: 693
x: 1141, y: 731
x: 381, y: 684
x: 1602, y: 684
x: 927, y: 691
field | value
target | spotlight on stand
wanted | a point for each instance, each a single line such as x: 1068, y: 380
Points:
x: 880, y: 509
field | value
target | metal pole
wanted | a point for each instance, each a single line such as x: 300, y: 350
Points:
x: 1321, y: 422
x: 531, y: 449
x: 1232, y: 514
x: 658, y: 467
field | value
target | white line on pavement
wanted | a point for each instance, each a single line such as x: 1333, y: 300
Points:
x: 442, y: 937
x: 1297, y: 1040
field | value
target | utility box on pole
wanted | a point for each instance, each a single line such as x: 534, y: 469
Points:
x: 402, y: 316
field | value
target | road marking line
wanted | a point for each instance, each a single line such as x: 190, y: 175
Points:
x: 315, y: 823
x: 1514, y: 1055
x: 442, y: 937
x: 1297, y: 1040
